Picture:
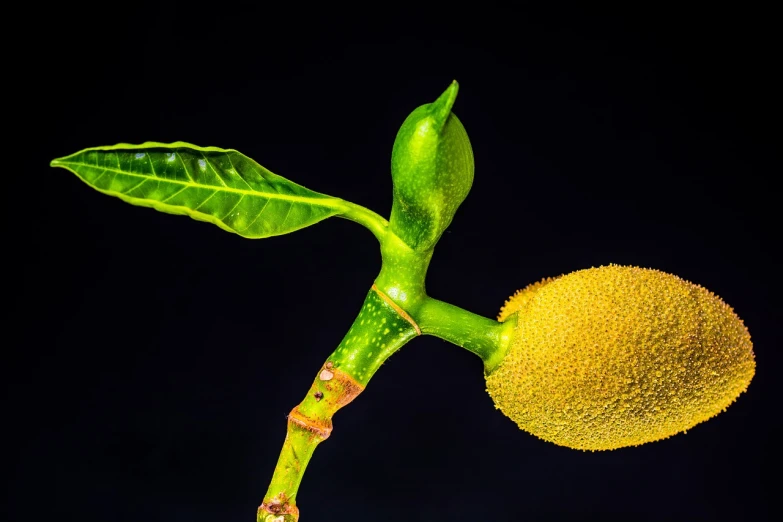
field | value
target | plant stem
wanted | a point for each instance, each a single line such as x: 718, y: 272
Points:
x: 486, y: 338
x: 402, y: 279
x: 364, y: 216
x: 403, y: 272
x: 380, y: 329
x: 396, y: 310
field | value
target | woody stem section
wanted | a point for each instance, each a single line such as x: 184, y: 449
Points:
x: 380, y: 329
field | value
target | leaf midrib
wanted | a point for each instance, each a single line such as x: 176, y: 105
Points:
x: 326, y: 201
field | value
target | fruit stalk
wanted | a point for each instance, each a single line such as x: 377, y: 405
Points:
x: 487, y: 338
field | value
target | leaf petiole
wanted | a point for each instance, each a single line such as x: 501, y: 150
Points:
x: 366, y: 217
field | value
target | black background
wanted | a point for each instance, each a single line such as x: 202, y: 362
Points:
x: 154, y: 358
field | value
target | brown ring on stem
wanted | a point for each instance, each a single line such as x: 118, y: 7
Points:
x: 400, y: 311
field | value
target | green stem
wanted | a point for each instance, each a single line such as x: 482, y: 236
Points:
x: 380, y: 329
x: 486, y: 338
x: 396, y: 310
x: 364, y: 216
x: 403, y: 272
x: 402, y: 279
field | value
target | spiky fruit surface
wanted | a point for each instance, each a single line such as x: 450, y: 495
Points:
x: 618, y: 356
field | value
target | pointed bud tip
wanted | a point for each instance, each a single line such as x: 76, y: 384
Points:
x: 441, y: 108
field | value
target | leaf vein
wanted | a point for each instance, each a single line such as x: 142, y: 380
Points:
x: 282, y: 224
x: 134, y: 187
x: 327, y: 201
x: 258, y: 215
x: 202, y: 203
x: 105, y: 170
x: 184, y: 166
x: 239, y: 174
x: 232, y: 208
x: 206, y: 160
x: 171, y: 196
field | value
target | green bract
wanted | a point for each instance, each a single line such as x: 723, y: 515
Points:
x: 432, y: 170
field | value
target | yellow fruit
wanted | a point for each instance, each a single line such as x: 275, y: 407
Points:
x: 618, y: 356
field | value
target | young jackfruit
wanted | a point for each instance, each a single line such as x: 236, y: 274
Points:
x: 618, y: 356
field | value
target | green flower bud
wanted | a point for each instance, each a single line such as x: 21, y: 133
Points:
x: 432, y: 170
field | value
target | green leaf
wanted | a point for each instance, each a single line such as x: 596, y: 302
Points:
x: 219, y: 186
